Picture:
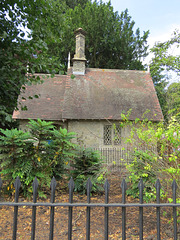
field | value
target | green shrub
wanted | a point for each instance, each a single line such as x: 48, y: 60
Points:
x: 64, y: 151
x: 143, y: 166
x: 19, y: 157
x: 87, y: 164
x: 41, y: 152
x: 160, y: 153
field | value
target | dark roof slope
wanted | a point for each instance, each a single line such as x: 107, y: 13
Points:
x: 99, y: 94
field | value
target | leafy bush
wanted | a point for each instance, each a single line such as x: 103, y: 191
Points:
x: 87, y: 164
x: 143, y: 167
x: 159, y: 146
x: 17, y: 158
x: 64, y: 151
x: 41, y: 152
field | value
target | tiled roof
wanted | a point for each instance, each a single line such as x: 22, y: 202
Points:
x: 99, y: 94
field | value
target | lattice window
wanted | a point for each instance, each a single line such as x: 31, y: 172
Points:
x: 117, y: 135
x: 112, y: 135
x: 107, y: 135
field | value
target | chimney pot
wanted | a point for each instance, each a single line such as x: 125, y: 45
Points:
x: 79, y: 59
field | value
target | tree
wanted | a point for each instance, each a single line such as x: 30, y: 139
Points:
x: 163, y: 63
x: 110, y: 41
x: 16, y: 53
x: 173, y: 100
x: 73, y: 3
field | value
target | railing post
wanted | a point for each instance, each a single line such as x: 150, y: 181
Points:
x: 174, y: 188
x: 53, y: 188
x: 141, y: 187
x: 158, y: 187
x: 88, y: 187
x: 123, y: 187
x: 33, y: 226
x: 71, y: 188
x: 17, y: 185
x: 106, y: 210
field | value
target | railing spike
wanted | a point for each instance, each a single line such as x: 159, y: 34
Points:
x: 141, y: 185
x: 124, y: 184
x: 1, y: 183
x: 89, y: 185
x: 17, y: 183
x: 158, y: 184
x: 35, y: 187
x: 106, y: 185
x: 35, y: 184
x: 106, y: 188
x: 71, y: 183
x: 174, y: 188
x: 53, y: 183
x: 174, y: 185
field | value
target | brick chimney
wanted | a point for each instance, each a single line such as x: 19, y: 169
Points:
x: 79, y: 60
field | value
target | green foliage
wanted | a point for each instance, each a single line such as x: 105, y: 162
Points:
x: 73, y: 3
x: 173, y: 100
x: 143, y: 167
x: 17, y: 52
x: 111, y: 41
x: 64, y: 151
x: 156, y: 149
x: 162, y: 64
x: 44, y: 152
x: 41, y: 152
x: 87, y: 164
x: 17, y: 158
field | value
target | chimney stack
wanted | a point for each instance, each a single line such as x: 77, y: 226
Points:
x: 79, y: 60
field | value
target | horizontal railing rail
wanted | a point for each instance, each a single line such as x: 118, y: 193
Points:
x: 40, y: 204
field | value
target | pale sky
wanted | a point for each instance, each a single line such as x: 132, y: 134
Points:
x: 160, y: 17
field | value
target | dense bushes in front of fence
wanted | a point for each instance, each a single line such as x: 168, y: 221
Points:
x: 44, y: 151
x: 87, y: 164
x: 150, y: 162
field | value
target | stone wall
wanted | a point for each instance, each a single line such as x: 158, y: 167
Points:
x: 90, y: 133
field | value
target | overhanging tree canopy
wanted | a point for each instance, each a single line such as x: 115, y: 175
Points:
x: 111, y: 41
x: 16, y: 53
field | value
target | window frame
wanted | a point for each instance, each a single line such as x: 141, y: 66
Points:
x: 110, y: 132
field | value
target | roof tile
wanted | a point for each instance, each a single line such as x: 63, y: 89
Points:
x: 99, y: 94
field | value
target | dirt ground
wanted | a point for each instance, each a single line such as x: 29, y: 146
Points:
x: 79, y: 218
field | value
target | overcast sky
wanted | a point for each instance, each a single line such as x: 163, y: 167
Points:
x: 160, y: 17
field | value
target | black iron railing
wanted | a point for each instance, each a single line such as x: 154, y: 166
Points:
x: 106, y: 205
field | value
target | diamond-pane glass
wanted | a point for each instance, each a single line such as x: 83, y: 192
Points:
x: 117, y: 135
x: 107, y: 135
